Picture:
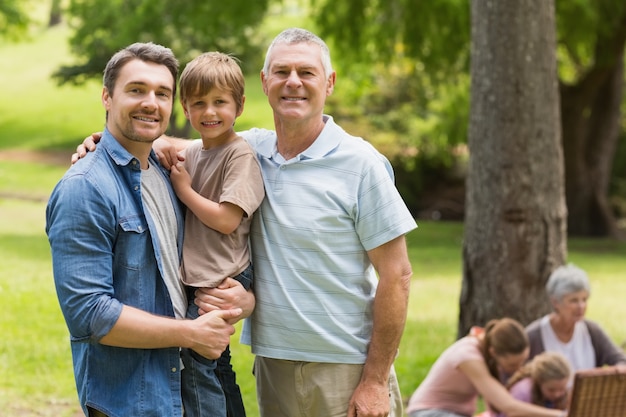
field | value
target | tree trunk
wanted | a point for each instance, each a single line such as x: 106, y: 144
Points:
x: 515, y: 219
x: 591, y: 125
x: 55, y: 13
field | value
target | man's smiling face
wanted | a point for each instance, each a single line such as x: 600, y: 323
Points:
x: 140, y: 106
x: 296, y: 85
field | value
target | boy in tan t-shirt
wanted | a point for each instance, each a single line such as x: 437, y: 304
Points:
x: 220, y: 183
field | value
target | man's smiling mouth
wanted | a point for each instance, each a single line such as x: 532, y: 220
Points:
x: 146, y: 119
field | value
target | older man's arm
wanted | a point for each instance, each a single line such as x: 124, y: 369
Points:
x: 391, y: 261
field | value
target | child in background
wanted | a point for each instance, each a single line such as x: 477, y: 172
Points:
x: 474, y: 366
x: 542, y: 381
x: 220, y: 183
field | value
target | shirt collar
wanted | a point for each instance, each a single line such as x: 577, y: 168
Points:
x: 117, y: 152
x: 325, y: 143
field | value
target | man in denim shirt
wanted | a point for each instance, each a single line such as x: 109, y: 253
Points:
x: 115, y: 230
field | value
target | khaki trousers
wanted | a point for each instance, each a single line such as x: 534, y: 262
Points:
x: 311, y: 389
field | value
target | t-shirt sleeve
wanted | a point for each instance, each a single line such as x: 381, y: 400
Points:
x: 521, y: 390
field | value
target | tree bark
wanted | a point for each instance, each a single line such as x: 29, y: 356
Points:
x: 515, y: 219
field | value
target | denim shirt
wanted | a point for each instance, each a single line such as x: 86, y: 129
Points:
x: 105, y: 254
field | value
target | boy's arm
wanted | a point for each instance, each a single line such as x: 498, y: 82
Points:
x: 222, y: 217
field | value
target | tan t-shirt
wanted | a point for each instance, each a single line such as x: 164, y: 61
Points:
x: 228, y: 173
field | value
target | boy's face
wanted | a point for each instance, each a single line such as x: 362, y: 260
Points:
x: 213, y: 115
x: 140, y: 106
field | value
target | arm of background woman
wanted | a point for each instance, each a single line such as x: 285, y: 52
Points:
x: 495, y: 394
x: 607, y: 352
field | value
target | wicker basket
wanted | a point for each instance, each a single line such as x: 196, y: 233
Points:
x: 599, y: 392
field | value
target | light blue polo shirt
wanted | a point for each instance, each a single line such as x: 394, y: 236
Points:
x: 322, y: 211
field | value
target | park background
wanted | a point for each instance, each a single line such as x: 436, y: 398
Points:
x: 41, y: 122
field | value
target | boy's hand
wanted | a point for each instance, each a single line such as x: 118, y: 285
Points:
x: 166, y: 152
x: 181, y: 180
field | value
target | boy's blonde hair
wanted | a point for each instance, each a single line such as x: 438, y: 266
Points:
x: 212, y: 70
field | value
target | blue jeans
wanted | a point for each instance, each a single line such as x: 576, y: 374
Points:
x: 209, y: 387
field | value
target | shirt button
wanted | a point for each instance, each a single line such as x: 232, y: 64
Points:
x: 136, y: 187
x: 173, y: 369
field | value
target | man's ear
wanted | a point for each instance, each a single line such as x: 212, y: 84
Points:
x: 330, y: 83
x: 263, y: 83
x: 106, y: 99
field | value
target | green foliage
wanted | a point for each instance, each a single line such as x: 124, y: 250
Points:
x: 419, y: 124
x: 434, y: 33
x: 101, y: 27
x: 584, y: 27
x: 14, y: 19
x: 403, y: 112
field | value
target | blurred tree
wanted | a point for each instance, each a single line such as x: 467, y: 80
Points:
x: 592, y: 43
x: 56, y: 12
x: 515, y: 215
x: 101, y: 27
x: 14, y: 20
x: 434, y: 36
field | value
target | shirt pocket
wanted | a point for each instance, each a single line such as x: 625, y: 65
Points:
x: 134, y: 264
x: 133, y: 241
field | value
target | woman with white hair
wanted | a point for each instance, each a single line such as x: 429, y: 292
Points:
x: 565, y: 329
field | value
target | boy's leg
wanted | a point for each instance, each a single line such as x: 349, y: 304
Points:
x: 225, y: 372
x: 201, y: 390
x: 228, y: 379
